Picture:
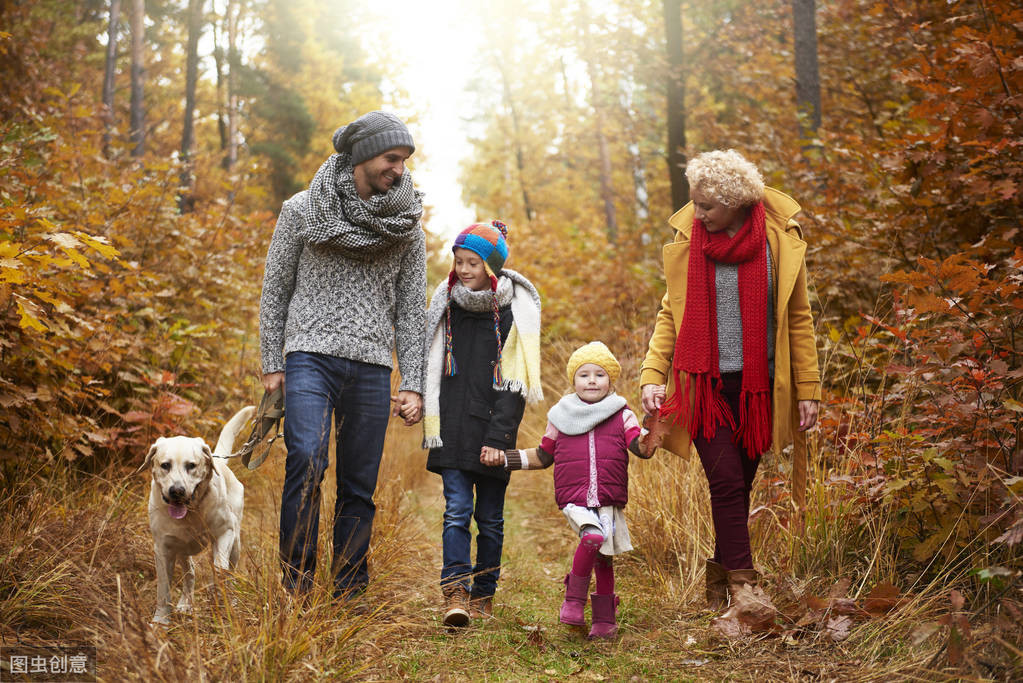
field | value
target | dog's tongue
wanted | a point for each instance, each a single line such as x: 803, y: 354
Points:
x: 176, y: 511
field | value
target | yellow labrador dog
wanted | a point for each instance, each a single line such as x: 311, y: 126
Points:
x: 194, y: 501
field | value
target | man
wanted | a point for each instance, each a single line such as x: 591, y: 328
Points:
x: 345, y: 282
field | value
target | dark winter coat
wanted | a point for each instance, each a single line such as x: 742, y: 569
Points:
x: 472, y: 413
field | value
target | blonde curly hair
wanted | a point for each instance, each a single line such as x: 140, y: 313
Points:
x: 726, y: 177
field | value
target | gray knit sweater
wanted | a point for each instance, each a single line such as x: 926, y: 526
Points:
x: 315, y: 299
x: 726, y: 282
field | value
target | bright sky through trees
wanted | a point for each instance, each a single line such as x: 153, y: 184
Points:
x: 432, y: 44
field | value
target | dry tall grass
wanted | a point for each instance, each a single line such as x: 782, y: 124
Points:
x: 76, y: 564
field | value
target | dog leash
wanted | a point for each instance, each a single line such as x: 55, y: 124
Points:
x: 270, y: 413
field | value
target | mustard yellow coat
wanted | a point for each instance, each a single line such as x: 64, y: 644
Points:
x: 796, y: 371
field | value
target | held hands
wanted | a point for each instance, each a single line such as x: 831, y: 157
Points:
x: 408, y: 405
x: 653, y: 397
x: 807, y: 414
x: 491, y: 457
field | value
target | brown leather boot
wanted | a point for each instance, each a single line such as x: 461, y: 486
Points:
x: 481, y: 608
x: 717, y: 586
x: 737, y: 578
x: 456, y: 605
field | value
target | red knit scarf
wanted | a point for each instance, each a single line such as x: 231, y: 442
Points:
x: 696, y: 349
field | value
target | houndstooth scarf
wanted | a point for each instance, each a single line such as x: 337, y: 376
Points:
x: 335, y: 214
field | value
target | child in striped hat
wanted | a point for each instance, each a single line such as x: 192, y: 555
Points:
x: 483, y: 364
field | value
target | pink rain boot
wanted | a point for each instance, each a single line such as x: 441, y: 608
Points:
x: 576, y: 588
x: 604, y: 608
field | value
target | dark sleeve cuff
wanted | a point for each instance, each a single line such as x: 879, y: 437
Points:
x: 513, y: 459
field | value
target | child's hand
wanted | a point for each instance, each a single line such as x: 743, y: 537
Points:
x: 491, y: 457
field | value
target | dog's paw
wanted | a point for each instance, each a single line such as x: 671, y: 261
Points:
x: 161, y: 620
x: 183, y: 608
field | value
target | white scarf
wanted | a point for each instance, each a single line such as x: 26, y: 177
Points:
x: 520, y: 354
x: 572, y: 415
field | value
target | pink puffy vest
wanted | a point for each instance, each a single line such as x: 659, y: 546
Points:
x: 572, y: 465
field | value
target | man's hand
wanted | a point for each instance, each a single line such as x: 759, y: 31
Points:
x: 408, y: 405
x: 491, y: 457
x: 272, y: 380
x: 807, y: 414
x: 653, y: 397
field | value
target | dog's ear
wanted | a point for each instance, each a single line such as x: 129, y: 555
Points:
x: 207, y: 454
x: 148, y: 459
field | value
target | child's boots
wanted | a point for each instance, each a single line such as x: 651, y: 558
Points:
x: 605, y: 623
x: 576, y: 590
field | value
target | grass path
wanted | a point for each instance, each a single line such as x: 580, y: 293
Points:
x: 664, y: 635
x: 660, y: 639
x: 79, y: 567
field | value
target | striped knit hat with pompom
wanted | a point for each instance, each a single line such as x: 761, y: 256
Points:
x: 489, y: 240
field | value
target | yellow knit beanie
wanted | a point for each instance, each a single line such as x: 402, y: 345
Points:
x: 597, y: 353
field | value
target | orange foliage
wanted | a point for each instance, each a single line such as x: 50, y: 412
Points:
x: 120, y: 319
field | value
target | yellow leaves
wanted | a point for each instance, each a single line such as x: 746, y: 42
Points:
x: 10, y: 271
x: 99, y: 244
x: 28, y: 319
x: 69, y: 244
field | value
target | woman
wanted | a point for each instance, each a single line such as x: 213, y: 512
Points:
x: 732, y: 361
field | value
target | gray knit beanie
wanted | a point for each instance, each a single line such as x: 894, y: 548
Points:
x: 372, y: 134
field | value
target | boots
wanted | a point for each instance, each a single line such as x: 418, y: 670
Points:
x: 717, y: 586
x: 737, y: 578
x: 456, y: 605
x: 576, y: 589
x: 605, y: 624
x: 481, y: 608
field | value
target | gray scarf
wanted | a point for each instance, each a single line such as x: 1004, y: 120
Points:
x: 572, y: 415
x: 336, y: 215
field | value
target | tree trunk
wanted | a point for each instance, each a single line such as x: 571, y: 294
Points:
x: 519, y: 154
x: 808, y: 83
x: 185, y: 199
x: 233, y: 64
x: 108, y: 75
x: 218, y: 61
x: 676, y: 104
x: 138, y: 114
x: 606, y: 190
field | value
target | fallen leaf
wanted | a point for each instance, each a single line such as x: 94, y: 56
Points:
x: 730, y: 627
x: 535, y: 637
x: 923, y: 632
x: 845, y: 606
x: 838, y: 628
x: 840, y: 589
x: 882, y: 599
x: 654, y: 431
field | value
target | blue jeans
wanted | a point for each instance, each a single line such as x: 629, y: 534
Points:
x: 489, y: 515
x: 358, y: 395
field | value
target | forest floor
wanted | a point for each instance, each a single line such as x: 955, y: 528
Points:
x: 78, y: 566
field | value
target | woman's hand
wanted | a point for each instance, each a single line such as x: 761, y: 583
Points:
x: 653, y: 397
x: 491, y: 457
x: 807, y: 414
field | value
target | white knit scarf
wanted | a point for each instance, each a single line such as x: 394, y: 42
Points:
x: 520, y: 355
x: 572, y: 415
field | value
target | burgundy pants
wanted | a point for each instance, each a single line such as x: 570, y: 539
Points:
x: 730, y: 473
